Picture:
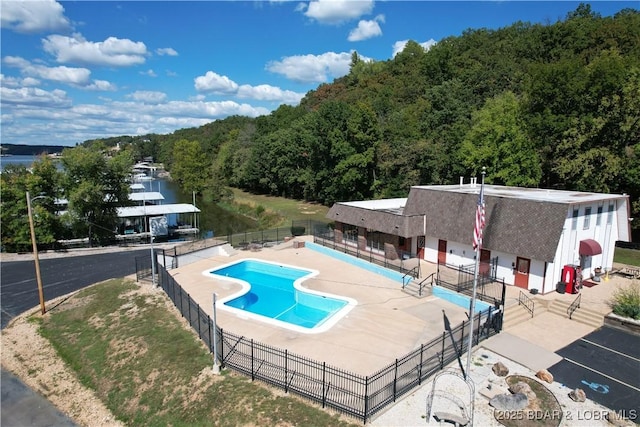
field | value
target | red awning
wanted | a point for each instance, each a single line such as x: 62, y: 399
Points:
x: 589, y: 247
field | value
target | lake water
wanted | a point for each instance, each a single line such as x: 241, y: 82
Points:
x: 212, y: 217
x: 25, y: 161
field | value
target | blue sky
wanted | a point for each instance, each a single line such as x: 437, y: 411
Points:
x: 72, y: 71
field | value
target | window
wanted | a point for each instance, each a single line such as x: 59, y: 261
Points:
x: 610, y: 215
x: 599, y: 215
x: 375, y: 240
x: 587, y: 217
x: 574, y: 222
x: 350, y: 233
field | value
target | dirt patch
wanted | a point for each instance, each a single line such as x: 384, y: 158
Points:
x: 32, y: 359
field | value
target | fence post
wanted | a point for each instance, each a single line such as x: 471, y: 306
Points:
x: 324, y: 387
x: 442, y: 358
x: 252, y: 375
x: 286, y: 371
x: 395, y: 381
x: 366, y: 400
x: 420, y: 367
x: 210, y: 336
x: 221, y: 335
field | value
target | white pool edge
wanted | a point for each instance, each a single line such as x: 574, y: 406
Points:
x: 324, y: 326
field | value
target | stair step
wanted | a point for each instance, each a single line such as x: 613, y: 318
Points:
x: 581, y: 315
x: 515, y: 315
x: 413, y: 289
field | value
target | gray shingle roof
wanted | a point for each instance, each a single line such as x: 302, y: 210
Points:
x: 527, y: 228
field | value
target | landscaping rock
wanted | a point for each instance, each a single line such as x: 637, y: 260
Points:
x: 578, y: 395
x: 509, y: 402
x: 500, y: 369
x: 545, y: 375
x: 524, y: 388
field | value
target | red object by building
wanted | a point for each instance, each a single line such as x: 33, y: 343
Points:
x: 569, y: 277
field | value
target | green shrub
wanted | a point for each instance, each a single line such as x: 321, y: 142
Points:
x: 626, y: 301
x: 297, y: 230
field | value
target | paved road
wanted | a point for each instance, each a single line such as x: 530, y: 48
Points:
x: 21, y: 406
x: 60, y: 276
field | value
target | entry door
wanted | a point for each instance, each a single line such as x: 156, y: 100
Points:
x: 442, y: 251
x: 522, y: 272
x: 485, y: 262
x: 421, y: 243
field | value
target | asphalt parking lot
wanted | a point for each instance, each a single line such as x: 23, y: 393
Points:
x: 606, y: 365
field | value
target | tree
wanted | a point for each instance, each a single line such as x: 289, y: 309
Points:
x: 191, y: 168
x: 496, y: 140
x: 42, y: 182
x: 95, y: 186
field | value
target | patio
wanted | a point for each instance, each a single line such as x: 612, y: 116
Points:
x: 386, y: 323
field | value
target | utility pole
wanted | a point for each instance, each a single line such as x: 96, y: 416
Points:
x: 35, y: 253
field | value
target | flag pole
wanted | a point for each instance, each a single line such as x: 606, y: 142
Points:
x: 478, y: 245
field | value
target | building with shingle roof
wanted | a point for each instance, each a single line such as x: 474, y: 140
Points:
x: 533, y: 233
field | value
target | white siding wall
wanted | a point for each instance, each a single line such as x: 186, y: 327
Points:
x: 606, y: 231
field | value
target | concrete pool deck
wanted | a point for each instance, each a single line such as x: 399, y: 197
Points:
x: 386, y: 324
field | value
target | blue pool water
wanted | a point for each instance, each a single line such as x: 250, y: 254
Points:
x: 273, y: 291
x: 459, y: 299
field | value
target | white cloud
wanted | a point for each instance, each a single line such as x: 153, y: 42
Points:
x: 34, y: 96
x: 337, y: 11
x: 399, y: 46
x: 113, y: 52
x: 77, y: 77
x: 214, y: 83
x: 366, y: 29
x: 14, y: 82
x: 149, y: 73
x: 166, y: 51
x: 100, y: 85
x: 33, y: 16
x: 60, y: 74
x: 148, y: 96
x: 312, y: 68
x: 269, y: 93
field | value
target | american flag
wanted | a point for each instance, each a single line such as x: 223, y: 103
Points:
x: 479, y: 226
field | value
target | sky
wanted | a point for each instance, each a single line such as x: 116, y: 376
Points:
x: 74, y: 71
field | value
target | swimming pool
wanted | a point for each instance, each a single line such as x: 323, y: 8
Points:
x: 273, y: 293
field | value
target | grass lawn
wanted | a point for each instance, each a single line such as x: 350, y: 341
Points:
x: 288, y: 208
x: 627, y: 256
x: 150, y: 369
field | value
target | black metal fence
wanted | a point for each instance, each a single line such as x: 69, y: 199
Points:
x: 273, y: 236
x: 350, y: 393
x: 404, y: 262
x: 461, y: 279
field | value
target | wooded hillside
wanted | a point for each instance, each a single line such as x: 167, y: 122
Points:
x: 553, y: 106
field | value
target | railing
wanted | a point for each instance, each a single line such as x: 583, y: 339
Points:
x: 404, y: 263
x: 357, y: 395
x: 574, y: 306
x: 411, y: 274
x: 422, y: 282
x: 526, y: 302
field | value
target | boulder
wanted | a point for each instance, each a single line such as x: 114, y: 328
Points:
x: 578, y: 395
x: 524, y: 388
x: 545, y: 375
x: 500, y: 369
x: 509, y: 402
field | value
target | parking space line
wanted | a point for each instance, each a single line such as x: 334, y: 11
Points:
x: 603, y: 374
x: 611, y: 350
